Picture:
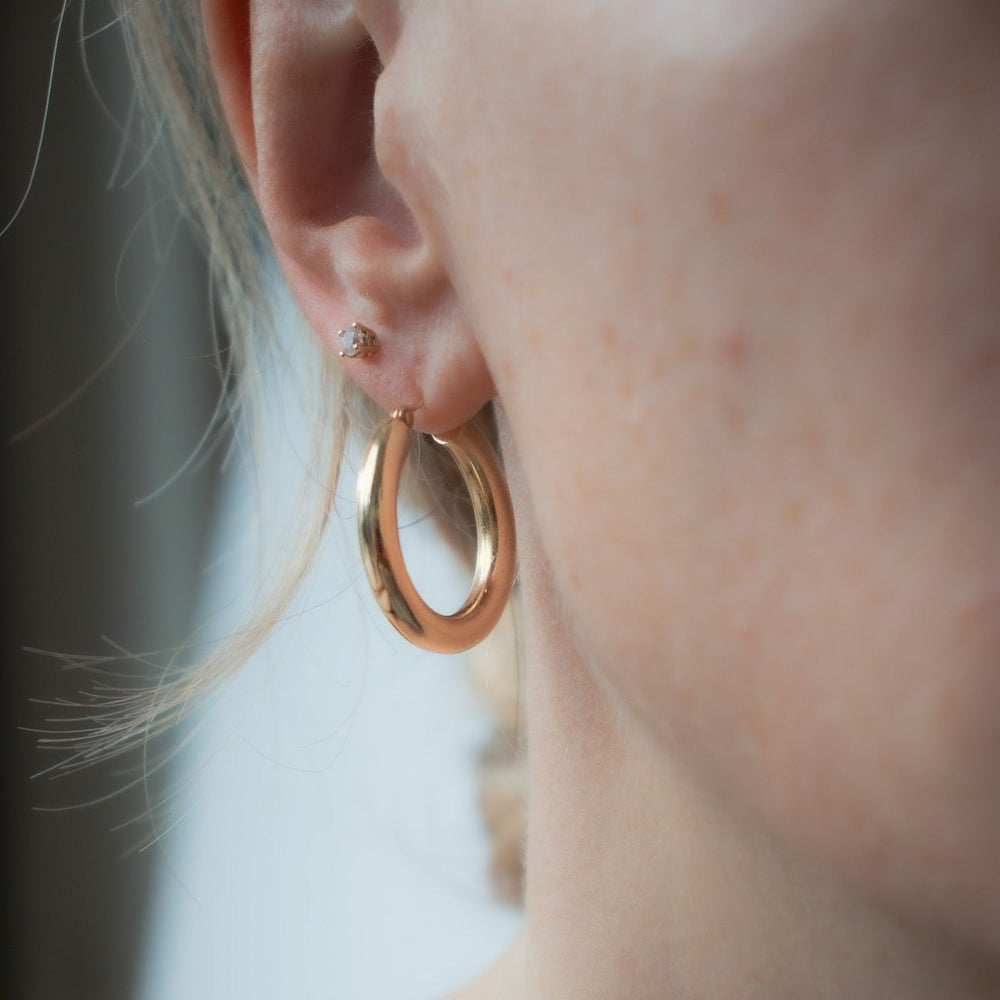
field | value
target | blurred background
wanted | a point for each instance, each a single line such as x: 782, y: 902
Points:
x: 326, y: 803
x: 107, y: 387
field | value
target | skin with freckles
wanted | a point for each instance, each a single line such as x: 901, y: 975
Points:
x: 729, y: 269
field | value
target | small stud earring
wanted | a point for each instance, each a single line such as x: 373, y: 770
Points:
x: 358, y: 342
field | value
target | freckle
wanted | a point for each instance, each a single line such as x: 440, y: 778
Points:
x: 658, y: 368
x: 891, y: 508
x: 610, y: 335
x: 720, y: 208
x: 988, y: 359
x: 628, y: 387
x: 794, y: 512
x: 507, y: 368
x: 733, y: 349
x: 686, y: 351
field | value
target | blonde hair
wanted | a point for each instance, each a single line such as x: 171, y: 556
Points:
x: 195, y: 152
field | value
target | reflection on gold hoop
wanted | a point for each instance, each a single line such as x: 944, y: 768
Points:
x: 378, y: 530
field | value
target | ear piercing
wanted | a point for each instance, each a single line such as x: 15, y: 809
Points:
x: 358, y: 342
x: 378, y: 527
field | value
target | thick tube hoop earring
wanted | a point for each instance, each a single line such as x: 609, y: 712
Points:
x: 378, y: 531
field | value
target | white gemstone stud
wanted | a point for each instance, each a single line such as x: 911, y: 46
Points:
x: 358, y: 342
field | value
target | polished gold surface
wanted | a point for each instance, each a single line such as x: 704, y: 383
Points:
x: 378, y: 529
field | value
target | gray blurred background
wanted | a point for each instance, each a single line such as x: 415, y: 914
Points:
x: 80, y: 559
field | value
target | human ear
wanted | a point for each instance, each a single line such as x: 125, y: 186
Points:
x: 297, y: 83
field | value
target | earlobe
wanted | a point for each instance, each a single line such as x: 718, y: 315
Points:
x: 297, y: 83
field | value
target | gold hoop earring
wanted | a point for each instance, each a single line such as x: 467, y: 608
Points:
x: 378, y: 531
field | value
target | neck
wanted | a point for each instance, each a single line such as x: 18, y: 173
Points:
x: 643, y: 884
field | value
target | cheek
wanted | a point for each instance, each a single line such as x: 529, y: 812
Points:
x: 749, y: 379
x: 801, y: 600
x: 793, y: 580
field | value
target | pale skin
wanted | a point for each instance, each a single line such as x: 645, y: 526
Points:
x: 730, y: 269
